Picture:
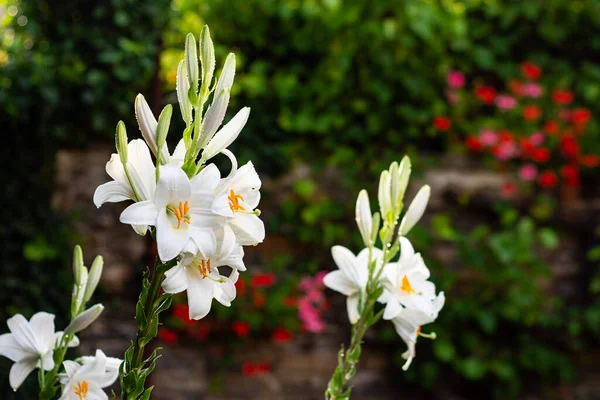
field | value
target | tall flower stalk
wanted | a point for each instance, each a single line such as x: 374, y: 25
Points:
x: 370, y: 277
x: 199, y: 220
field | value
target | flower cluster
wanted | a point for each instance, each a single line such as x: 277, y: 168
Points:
x: 199, y: 218
x: 403, y: 286
x: 312, y: 303
x: 35, y: 344
x: 536, y: 129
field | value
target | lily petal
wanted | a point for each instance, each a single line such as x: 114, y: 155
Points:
x: 338, y: 281
x: 23, y: 334
x: 200, y: 294
x: 175, y: 280
x: 10, y: 348
x: 170, y: 240
x: 352, y: 308
x: 248, y: 229
x: 172, y: 187
x: 142, y: 213
x: 42, y: 323
x: 111, y: 192
x: 19, y: 372
x: 227, y: 134
x: 415, y: 210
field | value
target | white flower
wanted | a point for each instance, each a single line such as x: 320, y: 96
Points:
x: 199, y: 275
x: 408, y: 285
x: 180, y: 209
x: 415, y: 210
x: 352, y: 276
x: 226, y: 135
x: 30, y: 345
x: 141, y: 171
x: 236, y: 199
x: 364, y: 219
x: 86, y: 381
x: 408, y: 325
x: 148, y: 125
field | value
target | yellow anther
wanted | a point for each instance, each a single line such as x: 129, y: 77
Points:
x: 181, y: 213
x: 81, y: 390
x: 234, y: 201
x: 406, y: 285
x: 204, y: 268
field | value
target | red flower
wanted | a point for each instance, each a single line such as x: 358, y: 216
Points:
x: 251, y: 369
x: 562, y: 97
x: 241, y: 328
x: 569, y: 146
x: 167, y: 335
x: 540, y: 155
x: 581, y: 115
x: 509, y: 189
x: 203, y: 332
x: 590, y: 160
x: 531, y: 113
x: 530, y: 70
x: 516, y: 87
x: 505, y: 136
x: 473, y: 143
x: 259, y: 300
x: 486, y: 94
x: 442, y: 123
x: 282, y: 335
x: 570, y: 174
x: 547, y: 179
x: 551, y: 127
x: 526, y: 146
x: 263, y: 280
x: 240, y: 287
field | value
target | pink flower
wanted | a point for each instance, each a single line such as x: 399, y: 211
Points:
x: 533, y: 90
x: 310, y: 317
x: 455, y: 79
x: 528, y: 172
x: 537, y: 138
x: 488, y: 137
x: 505, y: 102
x: 505, y: 150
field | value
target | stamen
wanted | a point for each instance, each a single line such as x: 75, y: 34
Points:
x: 406, y: 285
x: 204, y: 267
x: 81, y: 390
x: 234, y: 201
x: 181, y: 213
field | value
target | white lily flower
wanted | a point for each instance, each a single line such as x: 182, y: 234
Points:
x: 364, y: 219
x: 86, y: 381
x: 408, y: 285
x: 141, y: 171
x: 352, y: 276
x: 30, y: 345
x: 179, y: 209
x: 236, y: 199
x: 408, y: 325
x: 148, y: 124
x: 112, y: 363
x: 199, y: 274
x: 415, y: 210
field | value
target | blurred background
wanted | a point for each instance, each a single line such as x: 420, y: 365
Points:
x: 496, y: 102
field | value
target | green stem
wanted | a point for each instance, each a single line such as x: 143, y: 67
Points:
x: 155, y: 282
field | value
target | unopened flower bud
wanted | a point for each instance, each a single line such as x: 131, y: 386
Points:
x: 121, y: 142
x: 85, y: 319
x: 207, y: 58
x: 364, y: 219
x: 162, y: 129
x: 93, y: 278
x: 191, y: 62
x: 78, y: 268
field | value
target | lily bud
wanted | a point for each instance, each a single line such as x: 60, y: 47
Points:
x: 394, y: 184
x: 415, y: 210
x: 79, y: 270
x: 402, y: 181
x: 384, y: 196
x: 207, y: 58
x: 191, y: 61
x: 93, y: 278
x: 213, y: 118
x: 227, y: 74
x: 182, y: 87
x: 162, y: 129
x: 364, y: 219
x: 226, y: 135
x: 85, y: 319
x: 148, y: 126
x: 121, y: 142
x: 375, y: 227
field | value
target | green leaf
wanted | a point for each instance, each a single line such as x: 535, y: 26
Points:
x: 548, y: 238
